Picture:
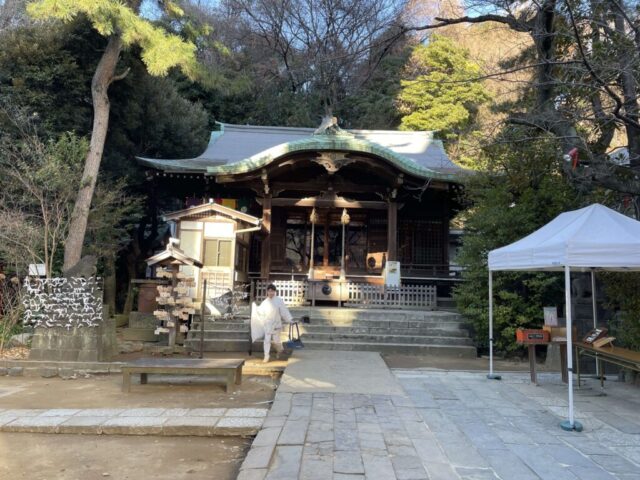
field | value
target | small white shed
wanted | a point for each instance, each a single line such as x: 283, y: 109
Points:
x: 219, y: 237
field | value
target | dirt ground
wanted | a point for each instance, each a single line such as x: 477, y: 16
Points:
x: 87, y: 457
x: 92, y: 457
x: 162, y: 391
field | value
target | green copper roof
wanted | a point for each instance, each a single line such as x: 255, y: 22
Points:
x: 237, y: 149
x: 329, y: 141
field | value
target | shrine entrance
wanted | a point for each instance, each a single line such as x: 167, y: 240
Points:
x: 327, y: 241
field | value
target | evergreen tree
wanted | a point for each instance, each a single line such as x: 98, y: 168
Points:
x: 521, y: 190
x: 440, y: 91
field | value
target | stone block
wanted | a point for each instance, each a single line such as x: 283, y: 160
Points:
x: 67, y: 373
x: 258, y: 457
x: 4, y: 371
x: 60, y: 412
x: 82, y: 425
x: 35, y: 354
x: 142, y: 412
x: 48, y: 372
x: 206, y: 412
x: 69, y: 355
x: 378, y: 467
x: 316, y: 467
x: 142, y: 320
x: 16, y: 371
x: 134, y: 425
x: 140, y: 334
x: 267, y: 436
x: 121, y: 320
x: 293, y: 432
x: 286, y: 463
x: 35, y: 424
x: 247, y: 412
x: 190, y: 426
x: 238, y: 426
x: 252, y: 474
x: 348, y: 461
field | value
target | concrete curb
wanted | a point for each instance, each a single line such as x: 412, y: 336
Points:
x: 50, y: 369
x: 197, y: 422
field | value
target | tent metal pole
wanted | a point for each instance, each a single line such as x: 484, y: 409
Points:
x: 491, y: 375
x: 595, y: 311
x: 570, y: 424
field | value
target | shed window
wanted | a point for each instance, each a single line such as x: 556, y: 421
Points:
x: 217, y: 253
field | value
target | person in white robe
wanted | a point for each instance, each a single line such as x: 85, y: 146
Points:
x: 272, y: 313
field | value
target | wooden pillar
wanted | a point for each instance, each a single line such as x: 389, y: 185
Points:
x: 392, y: 231
x: 265, y: 262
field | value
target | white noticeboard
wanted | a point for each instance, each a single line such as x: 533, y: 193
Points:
x: 392, y: 274
x: 37, y: 270
x: 551, y: 316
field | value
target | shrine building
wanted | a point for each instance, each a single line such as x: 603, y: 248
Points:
x: 328, y: 209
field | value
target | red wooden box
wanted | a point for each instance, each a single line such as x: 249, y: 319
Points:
x: 531, y: 336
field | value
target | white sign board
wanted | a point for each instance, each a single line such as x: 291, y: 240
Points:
x: 392, y: 274
x: 551, y: 316
x: 37, y: 270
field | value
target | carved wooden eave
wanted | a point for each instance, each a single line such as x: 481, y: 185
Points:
x: 333, y: 161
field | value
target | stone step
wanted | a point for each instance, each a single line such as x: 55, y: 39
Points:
x: 142, y: 320
x: 460, y: 351
x: 367, y: 330
x: 392, y: 324
x: 213, y: 331
x: 210, y: 325
x: 218, y: 345
x: 370, y: 313
x: 239, y: 334
x: 385, y: 339
x: 140, y: 334
x: 205, y: 422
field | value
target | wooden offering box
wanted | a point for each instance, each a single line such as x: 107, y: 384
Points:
x: 529, y: 336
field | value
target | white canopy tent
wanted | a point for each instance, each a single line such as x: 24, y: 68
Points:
x: 589, y: 239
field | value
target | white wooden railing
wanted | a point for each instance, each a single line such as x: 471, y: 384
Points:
x: 359, y: 295
x: 293, y: 292
x: 364, y: 295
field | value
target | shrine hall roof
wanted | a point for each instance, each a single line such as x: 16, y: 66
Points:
x: 243, y: 148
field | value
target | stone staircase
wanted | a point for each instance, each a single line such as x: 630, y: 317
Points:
x: 385, y: 331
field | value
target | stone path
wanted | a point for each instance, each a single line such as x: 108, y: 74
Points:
x: 509, y: 428
x: 451, y: 425
x: 135, y: 421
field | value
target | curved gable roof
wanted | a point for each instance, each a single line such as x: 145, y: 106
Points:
x: 240, y: 148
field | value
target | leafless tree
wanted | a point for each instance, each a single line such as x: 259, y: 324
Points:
x: 323, y: 47
x: 12, y: 13
x: 584, y: 68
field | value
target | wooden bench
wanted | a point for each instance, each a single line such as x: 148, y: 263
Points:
x: 610, y: 354
x: 230, y: 369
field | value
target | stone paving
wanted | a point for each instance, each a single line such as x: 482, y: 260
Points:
x: 509, y: 429
x: 450, y: 425
x: 135, y: 421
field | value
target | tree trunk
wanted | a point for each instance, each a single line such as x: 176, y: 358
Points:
x: 110, y: 284
x: 131, y: 271
x: 102, y: 78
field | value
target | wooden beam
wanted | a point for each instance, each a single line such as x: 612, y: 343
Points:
x: 320, y: 186
x: 265, y: 259
x: 392, y: 231
x: 328, y: 203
